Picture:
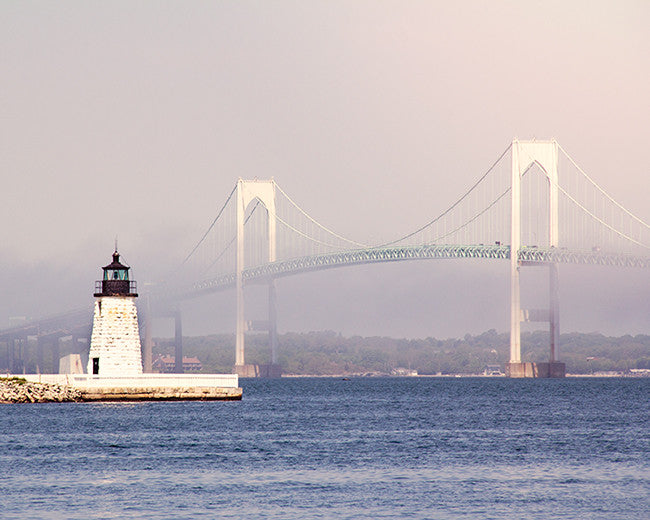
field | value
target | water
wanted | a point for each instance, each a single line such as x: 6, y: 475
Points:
x: 328, y: 448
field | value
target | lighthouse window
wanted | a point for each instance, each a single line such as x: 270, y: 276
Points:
x: 116, y: 274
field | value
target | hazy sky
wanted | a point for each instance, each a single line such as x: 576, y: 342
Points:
x: 136, y: 118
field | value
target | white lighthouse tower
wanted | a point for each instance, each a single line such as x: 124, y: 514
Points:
x: 115, y: 341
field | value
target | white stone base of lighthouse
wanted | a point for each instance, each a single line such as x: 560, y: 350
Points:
x: 115, y: 341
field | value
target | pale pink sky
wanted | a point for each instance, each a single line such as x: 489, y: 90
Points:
x: 135, y: 119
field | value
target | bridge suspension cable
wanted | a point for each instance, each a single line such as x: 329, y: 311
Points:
x: 316, y: 222
x: 453, y: 206
x: 597, y: 186
x: 475, y: 217
x: 312, y: 239
x: 211, y: 226
x: 598, y: 219
x: 481, y: 212
x: 232, y: 240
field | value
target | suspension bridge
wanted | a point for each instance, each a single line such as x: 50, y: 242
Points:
x: 534, y: 206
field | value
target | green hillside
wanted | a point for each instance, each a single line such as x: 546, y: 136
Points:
x: 329, y: 353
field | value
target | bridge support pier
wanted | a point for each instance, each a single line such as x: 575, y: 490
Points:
x: 273, y: 323
x: 11, y: 355
x: 553, y: 368
x: 40, y: 344
x: 178, y: 342
x: 18, y: 355
x: 147, y: 343
x: 273, y: 369
x: 56, y: 354
x: 538, y: 370
x: 554, y: 312
x: 147, y: 346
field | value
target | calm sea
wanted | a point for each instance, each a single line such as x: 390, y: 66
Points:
x: 330, y: 448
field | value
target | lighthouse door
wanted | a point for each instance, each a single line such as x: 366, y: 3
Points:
x: 95, y: 366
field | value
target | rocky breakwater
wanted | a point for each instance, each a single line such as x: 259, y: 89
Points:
x: 18, y: 390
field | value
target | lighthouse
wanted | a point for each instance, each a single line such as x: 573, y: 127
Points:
x: 115, y: 342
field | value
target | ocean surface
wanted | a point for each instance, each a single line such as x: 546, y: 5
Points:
x: 439, y: 448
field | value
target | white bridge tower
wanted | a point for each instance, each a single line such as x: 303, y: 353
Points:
x: 247, y: 192
x: 524, y: 155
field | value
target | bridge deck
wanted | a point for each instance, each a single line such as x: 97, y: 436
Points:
x: 423, y: 252
x: 260, y: 273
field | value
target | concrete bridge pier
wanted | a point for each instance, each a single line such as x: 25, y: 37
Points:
x: 21, y: 354
x: 18, y: 354
x: 147, y: 346
x: 147, y: 342
x: 147, y: 337
x: 273, y: 323
x: 553, y: 368
x: 554, y: 312
x: 40, y: 345
x: 56, y: 354
x: 11, y: 354
x: 178, y: 342
x: 47, y: 342
x: 273, y: 369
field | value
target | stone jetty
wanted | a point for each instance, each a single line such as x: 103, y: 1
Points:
x: 144, y: 387
x: 19, y: 390
x: 53, y: 388
x: 114, y: 362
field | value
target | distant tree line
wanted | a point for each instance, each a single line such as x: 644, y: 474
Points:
x: 329, y: 353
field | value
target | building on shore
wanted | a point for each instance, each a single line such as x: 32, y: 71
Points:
x: 167, y: 364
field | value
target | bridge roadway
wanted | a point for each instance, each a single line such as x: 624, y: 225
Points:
x: 530, y: 255
x: 77, y: 321
x: 80, y: 319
